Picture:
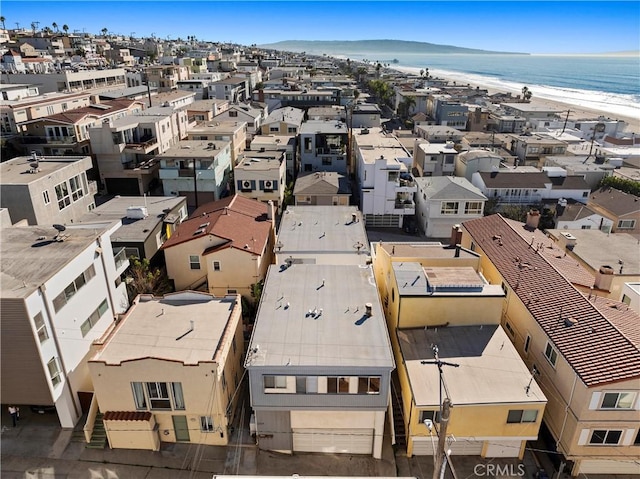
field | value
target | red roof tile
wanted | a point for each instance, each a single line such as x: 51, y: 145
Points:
x: 239, y: 220
x: 127, y: 416
x: 596, y: 349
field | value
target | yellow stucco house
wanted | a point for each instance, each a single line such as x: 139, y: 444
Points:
x: 168, y: 372
x: 434, y: 295
x: 585, y: 349
x: 225, y: 246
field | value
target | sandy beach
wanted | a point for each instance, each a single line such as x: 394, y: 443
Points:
x: 576, y: 112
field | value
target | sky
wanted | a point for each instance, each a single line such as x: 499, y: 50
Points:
x: 523, y: 26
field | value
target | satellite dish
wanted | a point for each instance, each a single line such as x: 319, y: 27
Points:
x: 60, y: 228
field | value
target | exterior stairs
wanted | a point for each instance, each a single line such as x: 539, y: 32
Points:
x: 398, y: 418
x: 99, y: 435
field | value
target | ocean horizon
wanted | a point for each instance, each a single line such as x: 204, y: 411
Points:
x: 606, y: 83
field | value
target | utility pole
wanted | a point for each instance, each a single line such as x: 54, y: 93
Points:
x: 565, y: 121
x: 440, y: 465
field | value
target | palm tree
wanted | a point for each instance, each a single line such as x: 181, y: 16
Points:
x: 2, y: 19
x: 526, y: 93
x: 55, y: 25
x: 104, y: 32
x: 65, y: 28
x: 421, y: 72
x: 33, y: 27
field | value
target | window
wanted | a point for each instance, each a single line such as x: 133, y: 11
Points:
x: 178, y: 398
x: 326, y: 160
x: 54, y: 371
x: 551, y: 354
x: 45, y: 197
x: 194, y: 262
x: 232, y: 291
x: 473, y: 208
x: 292, y: 129
x: 626, y: 224
x: 626, y: 299
x: 275, y: 382
x: 138, y: 396
x: 206, y: 424
x: 433, y: 416
x: 41, y: 328
x: 585, y: 194
x: 602, y: 436
x: 449, y: 208
x: 72, y: 288
x: 76, y: 188
x: 527, y: 343
x: 274, y: 129
x: 158, y: 396
x: 519, y: 415
x: 62, y: 195
x: 509, y: 329
x: 369, y: 385
x: 636, y: 441
x: 586, y: 227
x: 618, y: 400
x: 93, y: 318
x: 216, y: 265
x: 337, y: 385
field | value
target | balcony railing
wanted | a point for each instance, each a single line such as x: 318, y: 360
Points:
x: 142, y: 144
x: 47, y: 140
x: 120, y: 258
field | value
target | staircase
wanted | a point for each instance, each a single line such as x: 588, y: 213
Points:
x: 398, y: 418
x: 99, y: 435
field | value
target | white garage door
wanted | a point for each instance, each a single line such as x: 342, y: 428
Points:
x: 602, y: 466
x: 461, y: 447
x: 503, y: 448
x: 350, y: 441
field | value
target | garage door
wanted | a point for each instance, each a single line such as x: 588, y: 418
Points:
x: 351, y: 441
x: 461, y: 447
x: 602, y: 466
x: 503, y: 448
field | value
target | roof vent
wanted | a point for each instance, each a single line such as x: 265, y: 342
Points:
x: 569, y: 321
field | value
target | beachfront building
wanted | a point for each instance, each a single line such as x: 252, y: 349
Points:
x: 531, y: 150
x: 46, y: 190
x: 168, y: 372
x: 586, y: 353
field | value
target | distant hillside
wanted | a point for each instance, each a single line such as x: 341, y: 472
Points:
x: 355, y: 47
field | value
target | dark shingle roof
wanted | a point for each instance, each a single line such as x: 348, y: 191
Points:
x: 496, y: 179
x: 615, y: 201
x: 598, y: 351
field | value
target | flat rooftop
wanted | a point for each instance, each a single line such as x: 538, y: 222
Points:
x: 317, y: 230
x: 134, y: 229
x: 187, y: 329
x: 18, y: 171
x: 490, y: 369
x: 30, y: 255
x: 597, y: 248
x: 336, y: 333
x: 427, y: 250
x: 194, y: 149
x: 324, y: 127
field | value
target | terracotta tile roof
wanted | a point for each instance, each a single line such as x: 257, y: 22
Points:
x: 615, y: 201
x: 596, y: 349
x: 239, y: 220
x: 621, y: 316
x: 557, y: 257
x: 127, y: 416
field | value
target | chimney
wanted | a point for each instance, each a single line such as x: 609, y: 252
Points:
x: 456, y: 235
x: 533, y: 219
x: 567, y: 240
x: 604, y: 278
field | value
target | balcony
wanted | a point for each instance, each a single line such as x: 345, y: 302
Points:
x: 47, y: 140
x: 405, y: 207
x: 93, y: 188
x: 144, y: 145
x: 121, y: 260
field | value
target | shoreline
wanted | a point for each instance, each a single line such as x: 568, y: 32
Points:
x: 577, y: 112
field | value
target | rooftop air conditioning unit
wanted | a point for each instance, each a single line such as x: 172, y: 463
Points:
x: 137, y: 212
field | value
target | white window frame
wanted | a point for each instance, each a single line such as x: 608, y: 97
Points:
x: 75, y: 188
x: 279, y: 383
x: 476, y: 210
x: 604, y: 439
x: 192, y: 264
x: 617, y: 401
x: 54, y: 371
x: 551, y: 354
x: 526, y: 416
x: 45, y: 197
x: 448, y: 208
x: 527, y: 343
x: 206, y: 424
x: 217, y: 266
x: 62, y: 195
x: 41, y: 327
x: 626, y: 224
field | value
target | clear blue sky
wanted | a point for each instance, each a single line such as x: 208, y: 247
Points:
x: 535, y: 27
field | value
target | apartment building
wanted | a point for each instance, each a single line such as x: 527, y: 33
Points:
x: 46, y: 190
x: 262, y: 177
x: 234, y: 132
x: 323, y: 146
x: 61, y: 289
x: 586, y: 356
x: 384, y: 179
x: 73, y: 81
x: 176, y: 381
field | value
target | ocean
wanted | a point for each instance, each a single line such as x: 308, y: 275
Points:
x: 610, y: 84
